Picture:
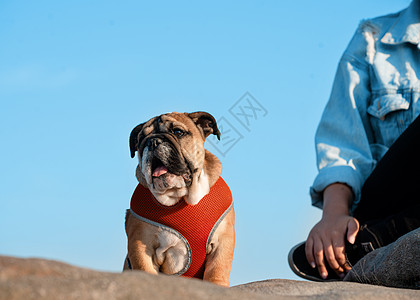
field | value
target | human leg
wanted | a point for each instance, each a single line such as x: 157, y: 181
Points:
x: 395, y: 265
x: 393, y: 186
x: 390, y: 201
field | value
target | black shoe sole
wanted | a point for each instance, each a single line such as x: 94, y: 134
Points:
x: 301, y: 267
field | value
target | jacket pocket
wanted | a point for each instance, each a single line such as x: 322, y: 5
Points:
x: 389, y: 117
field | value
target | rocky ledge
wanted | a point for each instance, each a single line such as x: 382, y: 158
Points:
x: 45, y: 279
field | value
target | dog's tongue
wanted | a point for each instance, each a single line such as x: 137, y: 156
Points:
x: 160, y: 171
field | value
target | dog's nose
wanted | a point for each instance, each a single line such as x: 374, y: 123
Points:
x: 154, y: 143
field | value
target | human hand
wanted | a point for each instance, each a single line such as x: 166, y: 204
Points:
x: 326, y: 242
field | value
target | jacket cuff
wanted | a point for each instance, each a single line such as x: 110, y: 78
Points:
x: 337, y: 174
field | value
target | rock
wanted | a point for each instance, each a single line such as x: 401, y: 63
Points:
x: 45, y: 279
x: 293, y: 289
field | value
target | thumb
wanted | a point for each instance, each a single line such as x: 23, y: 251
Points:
x: 352, y: 230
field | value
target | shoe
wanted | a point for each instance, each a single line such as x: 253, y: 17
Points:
x: 367, y: 240
x: 300, y: 266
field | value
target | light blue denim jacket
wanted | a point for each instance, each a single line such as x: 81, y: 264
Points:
x: 373, y: 100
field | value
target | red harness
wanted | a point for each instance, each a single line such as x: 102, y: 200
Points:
x: 195, y: 223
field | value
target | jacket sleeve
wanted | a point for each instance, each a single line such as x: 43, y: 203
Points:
x: 343, y: 136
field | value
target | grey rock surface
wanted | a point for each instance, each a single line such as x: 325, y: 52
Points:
x: 28, y: 279
x: 293, y: 289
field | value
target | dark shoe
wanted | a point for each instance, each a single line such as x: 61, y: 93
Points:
x: 367, y: 240
x: 374, y: 234
x: 300, y: 266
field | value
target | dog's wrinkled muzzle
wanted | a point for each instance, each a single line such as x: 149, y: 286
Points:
x: 161, y: 158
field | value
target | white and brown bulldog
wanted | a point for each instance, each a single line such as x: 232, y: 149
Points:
x: 181, y: 218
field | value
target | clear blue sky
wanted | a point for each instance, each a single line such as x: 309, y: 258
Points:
x: 77, y: 76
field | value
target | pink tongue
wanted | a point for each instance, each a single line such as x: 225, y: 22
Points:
x: 160, y: 171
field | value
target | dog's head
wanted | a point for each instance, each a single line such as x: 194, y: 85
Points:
x: 172, y: 155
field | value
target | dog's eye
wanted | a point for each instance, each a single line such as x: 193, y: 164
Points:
x: 178, y: 132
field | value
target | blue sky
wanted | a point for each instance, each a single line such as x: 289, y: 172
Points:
x: 77, y: 76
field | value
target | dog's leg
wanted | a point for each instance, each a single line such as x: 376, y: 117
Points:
x: 141, y: 258
x: 141, y: 245
x: 220, y: 252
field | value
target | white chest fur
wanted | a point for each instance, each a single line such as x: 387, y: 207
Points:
x: 172, y: 254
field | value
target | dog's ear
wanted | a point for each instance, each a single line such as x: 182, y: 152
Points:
x: 206, y: 122
x: 134, y: 139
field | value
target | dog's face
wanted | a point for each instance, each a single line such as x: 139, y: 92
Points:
x: 172, y: 155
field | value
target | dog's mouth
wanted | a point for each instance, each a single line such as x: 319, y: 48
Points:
x: 165, y: 174
x: 158, y: 168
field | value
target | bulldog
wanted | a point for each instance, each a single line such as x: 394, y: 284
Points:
x: 181, y: 217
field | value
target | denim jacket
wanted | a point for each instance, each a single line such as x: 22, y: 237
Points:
x: 373, y: 100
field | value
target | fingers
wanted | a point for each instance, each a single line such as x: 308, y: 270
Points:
x: 309, y: 252
x: 319, y: 258
x: 334, y: 261
x: 315, y: 254
x: 352, y: 230
x: 340, y: 258
x: 326, y: 245
x: 320, y: 251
